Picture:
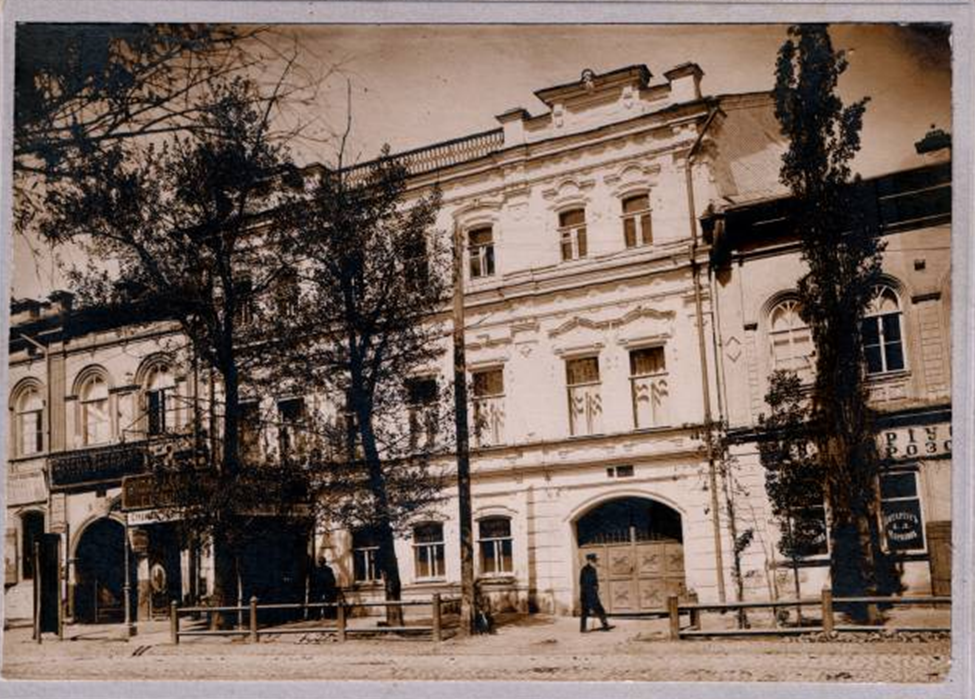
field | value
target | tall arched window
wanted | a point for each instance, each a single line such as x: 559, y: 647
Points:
x: 790, y: 340
x: 883, y: 341
x: 28, y: 422
x: 96, y: 426
x: 160, y: 405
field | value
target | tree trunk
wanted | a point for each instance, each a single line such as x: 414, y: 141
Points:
x: 377, y: 485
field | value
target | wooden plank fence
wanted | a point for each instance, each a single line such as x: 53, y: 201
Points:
x: 439, y: 607
x: 826, y: 603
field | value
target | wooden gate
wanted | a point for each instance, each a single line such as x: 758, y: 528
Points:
x: 640, y: 557
x: 637, y: 575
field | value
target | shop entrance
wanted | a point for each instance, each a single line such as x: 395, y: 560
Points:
x: 639, y: 544
x: 100, y: 573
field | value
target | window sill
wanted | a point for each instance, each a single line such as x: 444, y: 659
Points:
x: 497, y: 579
x: 429, y: 582
x: 884, y: 377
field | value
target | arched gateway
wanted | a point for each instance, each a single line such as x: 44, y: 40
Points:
x: 639, y: 543
x: 100, y: 573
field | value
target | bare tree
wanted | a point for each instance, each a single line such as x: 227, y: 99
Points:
x: 184, y: 229
x: 377, y: 281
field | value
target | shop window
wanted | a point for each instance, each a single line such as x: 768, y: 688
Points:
x: 428, y: 551
x: 480, y: 243
x: 365, y: 556
x: 488, y: 385
x: 648, y: 387
x: 900, y: 508
x: 494, y: 541
x: 790, y: 340
x: 572, y: 233
x: 637, y: 224
x: 28, y: 422
x: 585, y: 402
x: 881, y: 329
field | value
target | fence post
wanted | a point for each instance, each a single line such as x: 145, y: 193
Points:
x: 173, y: 622
x: 695, y: 613
x: 253, y: 620
x: 437, y: 619
x: 827, y: 610
x: 673, y: 612
x: 340, y: 618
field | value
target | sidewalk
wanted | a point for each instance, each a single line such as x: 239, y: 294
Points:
x: 528, y: 648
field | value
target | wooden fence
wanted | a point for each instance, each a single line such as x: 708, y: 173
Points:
x: 826, y: 603
x: 341, y: 629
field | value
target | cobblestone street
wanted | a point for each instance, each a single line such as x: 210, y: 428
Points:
x: 540, y: 648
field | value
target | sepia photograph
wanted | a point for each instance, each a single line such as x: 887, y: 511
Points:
x: 509, y: 352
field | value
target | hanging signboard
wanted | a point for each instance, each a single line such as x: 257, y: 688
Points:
x: 902, y: 525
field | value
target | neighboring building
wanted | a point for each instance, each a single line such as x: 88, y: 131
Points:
x: 592, y: 358
x: 907, y: 342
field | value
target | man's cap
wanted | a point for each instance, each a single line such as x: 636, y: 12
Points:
x: 590, y: 557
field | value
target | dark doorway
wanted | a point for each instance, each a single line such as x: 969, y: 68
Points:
x: 100, y: 573
x: 32, y: 529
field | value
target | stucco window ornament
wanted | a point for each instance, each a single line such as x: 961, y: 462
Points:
x: 882, y: 332
x: 589, y: 79
x: 585, y: 401
x: 649, y: 388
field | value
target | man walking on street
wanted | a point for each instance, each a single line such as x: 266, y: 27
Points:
x: 589, y: 591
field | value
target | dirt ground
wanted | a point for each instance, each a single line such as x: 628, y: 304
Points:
x: 529, y: 648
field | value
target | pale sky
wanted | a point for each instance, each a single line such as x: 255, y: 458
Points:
x: 416, y: 85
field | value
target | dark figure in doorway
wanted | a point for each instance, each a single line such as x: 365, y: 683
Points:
x: 589, y: 593
x: 324, y: 588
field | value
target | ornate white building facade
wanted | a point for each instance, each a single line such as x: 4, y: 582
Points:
x: 601, y: 340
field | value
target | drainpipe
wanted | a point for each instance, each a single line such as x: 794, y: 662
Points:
x: 705, y: 381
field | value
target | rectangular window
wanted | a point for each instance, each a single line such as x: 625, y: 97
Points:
x: 156, y: 407
x: 244, y: 302
x: 648, y: 387
x: 365, y: 556
x: 481, y: 251
x: 249, y: 432
x: 637, y: 225
x: 585, y: 402
x: 882, y: 343
x: 428, y: 551
x: 488, y: 386
x: 572, y: 233
x: 291, y: 416
x: 422, y: 397
x: 31, y: 433
x: 96, y: 421
x: 900, y: 508
x: 494, y: 542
